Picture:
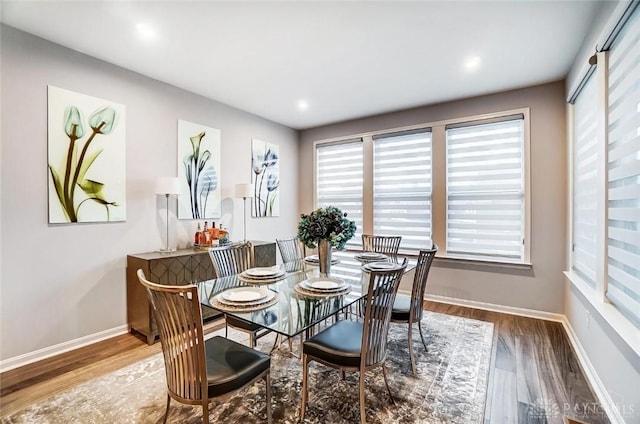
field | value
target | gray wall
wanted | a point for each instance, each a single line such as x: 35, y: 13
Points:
x: 541, y: 288
x: 60, y: 283
x: 616, y: 364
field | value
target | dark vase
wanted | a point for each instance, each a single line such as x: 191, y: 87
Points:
x: 324, y: 256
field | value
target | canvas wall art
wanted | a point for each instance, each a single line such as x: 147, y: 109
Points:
x: 265, y: 163
x: 86, y: 158
x: 199, y: 171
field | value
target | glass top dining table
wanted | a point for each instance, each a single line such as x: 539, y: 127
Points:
x: 294, y: 312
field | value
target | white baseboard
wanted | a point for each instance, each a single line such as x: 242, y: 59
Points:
x: 590, y: 373
x: 511, y: 310
x: 592, y: 376
x: 48, y: 352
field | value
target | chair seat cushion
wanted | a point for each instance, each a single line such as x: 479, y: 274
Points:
x: 339, y: 344
x: 242, y: 324
x: 231, y: 365
x: 401, y: 308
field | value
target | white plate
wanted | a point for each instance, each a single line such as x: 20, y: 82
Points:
x: 325, y: 283
x: 244, y: 294
x: 262, y: 272
x: 377, y: 266
x: 372, y: 255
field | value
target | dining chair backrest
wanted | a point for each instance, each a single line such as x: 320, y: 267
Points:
x: 231, y: 260
x: 291, y: 249
x: 425, y: 259
x: 179, y: 321
x: 388, y: 245
x: 381, y: 293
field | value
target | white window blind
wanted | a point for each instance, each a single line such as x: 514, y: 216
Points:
x: 623, y: 173
x: 585, y: 183
x: 402, y: 188
x: 485, y: 190
x: 339, y: 173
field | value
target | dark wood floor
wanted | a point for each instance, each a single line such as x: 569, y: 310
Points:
x: 534, y: 376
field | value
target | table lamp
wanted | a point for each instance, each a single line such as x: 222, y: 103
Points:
x: 244, y: 192
x: 167, y: 186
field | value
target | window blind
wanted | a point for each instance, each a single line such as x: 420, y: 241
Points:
x: 339, y: 174
x: 623, y: 171
x: 585, y: 183
x: 402, y: 188
x: 485, y: 191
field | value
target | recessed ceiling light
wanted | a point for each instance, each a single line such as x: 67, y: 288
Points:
x: 145, y: 31
x: 472, y: 63
x: 303, y: 105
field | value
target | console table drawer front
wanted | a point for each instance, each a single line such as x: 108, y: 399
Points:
x: 171, y: 271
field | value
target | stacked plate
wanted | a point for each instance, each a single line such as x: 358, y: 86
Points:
x: 315, y: 260
x: 262, y: 275
x: 244, y: 299
x: 380, y: 266
x: 322, y: 287
x: 366, y: 257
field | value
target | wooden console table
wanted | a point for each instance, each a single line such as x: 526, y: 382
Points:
x: 184, y: 266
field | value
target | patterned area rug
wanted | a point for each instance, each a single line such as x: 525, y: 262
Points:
x: 450, y: 388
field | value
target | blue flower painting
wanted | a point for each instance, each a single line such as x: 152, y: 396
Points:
x: 265, y: 167
x: 199, y: 171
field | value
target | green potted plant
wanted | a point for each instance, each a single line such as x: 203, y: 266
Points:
x: 325, y: 228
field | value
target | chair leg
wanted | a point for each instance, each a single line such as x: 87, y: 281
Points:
x: 386, y: 382
x: 226, y: 328
x: 205, y: 412
x: 166, y: 412
x: 275, y: 344
x: 252, y: 340
x: 305, y: 384
x: 343, y: 374
x: 413, y: 359
x: 268, y: 396
x: 363, y: 410
x: 422, y: 337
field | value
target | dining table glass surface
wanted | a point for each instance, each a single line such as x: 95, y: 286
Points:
x: 296, y: 310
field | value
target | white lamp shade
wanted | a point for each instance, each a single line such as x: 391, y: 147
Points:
x: 244, y: 190
x: 167, y: 185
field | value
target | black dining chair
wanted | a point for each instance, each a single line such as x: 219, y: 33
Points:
x: 232, y: 260
x: 389, y: 245
x: 291, y: 249
x: 356, y: 346
x: 198, y: 371
x: 409, y: 309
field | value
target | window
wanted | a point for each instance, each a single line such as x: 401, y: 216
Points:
x: 486, y: 190
x: 585, y: 180
x: 476, y: 168
x: 402, y: 188
x: 623, y: 171
x: 339, y: 177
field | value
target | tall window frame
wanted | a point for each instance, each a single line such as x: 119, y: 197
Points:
x: 402, y: 187
x: 616, y: 294
x: 338, y: 176
x: 486, y: 189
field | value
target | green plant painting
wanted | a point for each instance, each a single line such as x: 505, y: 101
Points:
x: 198, y: 170
x: 86, y: 158
x: 265, y: 166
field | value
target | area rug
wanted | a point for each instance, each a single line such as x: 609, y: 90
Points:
x: 451, y: 387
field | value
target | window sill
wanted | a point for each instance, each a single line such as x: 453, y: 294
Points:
x: 618, y: 322
x: 481, y: 262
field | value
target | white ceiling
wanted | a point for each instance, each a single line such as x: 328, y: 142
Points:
x: 346, y: 59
